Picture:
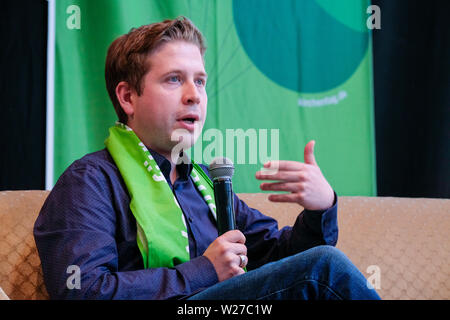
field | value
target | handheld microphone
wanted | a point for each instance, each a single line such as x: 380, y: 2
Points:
x: 221, y: 171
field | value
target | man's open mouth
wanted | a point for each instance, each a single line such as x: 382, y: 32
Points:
x: 189, y: 120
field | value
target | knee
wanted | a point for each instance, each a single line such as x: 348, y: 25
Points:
x: 322, y: 259
x: 325, y: 250
x: 326, y: 255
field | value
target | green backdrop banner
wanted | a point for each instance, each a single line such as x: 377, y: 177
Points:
x: 280, y: 73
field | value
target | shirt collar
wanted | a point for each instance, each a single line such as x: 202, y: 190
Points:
x: 183, y: 169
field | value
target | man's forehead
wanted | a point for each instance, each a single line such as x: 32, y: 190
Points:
x: 176, y: 49
x: 180, y: 56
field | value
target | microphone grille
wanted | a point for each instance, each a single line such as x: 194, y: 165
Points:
x: 221, y: 167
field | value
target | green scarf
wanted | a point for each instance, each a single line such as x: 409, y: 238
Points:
x: 161, y: 229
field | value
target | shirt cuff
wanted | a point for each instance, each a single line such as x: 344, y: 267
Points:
x: 199, y: 273
x: 324, y: 222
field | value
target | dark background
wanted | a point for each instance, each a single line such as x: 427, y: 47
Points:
x: 411, y: 56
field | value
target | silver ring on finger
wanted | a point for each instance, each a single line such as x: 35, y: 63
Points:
x: 243, y: 260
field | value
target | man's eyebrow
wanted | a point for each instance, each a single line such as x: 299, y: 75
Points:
x: 170, y: 72
x: 177, y: 71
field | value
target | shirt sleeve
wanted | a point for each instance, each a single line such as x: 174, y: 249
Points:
x: 266, y: 243
x: 76, y: 230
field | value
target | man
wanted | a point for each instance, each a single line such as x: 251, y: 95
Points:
x: 137, y: 224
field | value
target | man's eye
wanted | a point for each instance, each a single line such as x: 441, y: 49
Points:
x: 174, y: 79
x: 200, y: 82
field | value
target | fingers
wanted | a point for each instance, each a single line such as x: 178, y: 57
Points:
x: 234, y: 236
x: 282, y: 186
x: 305, y: 182
x: 234, y: 248
x: 237, y: 250
x: 286, y: 170
x: 286, y: 176
x: 233, y: 243
x: 225, y: 254
x: 291, y: 197
x: 309, y: 153
x: 284, y: 165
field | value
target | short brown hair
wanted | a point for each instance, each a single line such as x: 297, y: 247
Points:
x: 126, y: 59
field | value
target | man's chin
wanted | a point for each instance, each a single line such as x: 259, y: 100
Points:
x: 183, y: 139
x: 187, y: 136
x: 181, y: 142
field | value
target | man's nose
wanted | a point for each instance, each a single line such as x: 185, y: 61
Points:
x: 190, y: 93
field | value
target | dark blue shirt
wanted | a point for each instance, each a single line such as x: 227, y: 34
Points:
x: 86, y: 221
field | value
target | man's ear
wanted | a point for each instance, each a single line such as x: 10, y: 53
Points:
x: 124, y: 94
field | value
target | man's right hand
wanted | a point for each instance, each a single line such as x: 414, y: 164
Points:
x: 224, y: 253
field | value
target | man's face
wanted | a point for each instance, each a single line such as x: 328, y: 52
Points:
x: 173, y: 100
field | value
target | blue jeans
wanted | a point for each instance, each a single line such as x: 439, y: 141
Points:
x: 322, y: 272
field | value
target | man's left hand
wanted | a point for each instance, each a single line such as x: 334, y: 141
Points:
x: 305, y: 182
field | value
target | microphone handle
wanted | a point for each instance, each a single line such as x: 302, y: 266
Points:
x: 223, y: 192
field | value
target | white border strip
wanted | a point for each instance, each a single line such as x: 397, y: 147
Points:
x: 49, y: 143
